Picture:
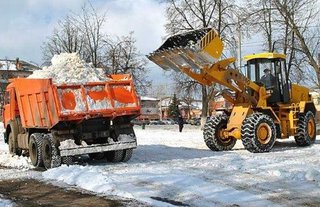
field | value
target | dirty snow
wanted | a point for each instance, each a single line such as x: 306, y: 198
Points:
x: 170, y: 168
x: 69, y: 68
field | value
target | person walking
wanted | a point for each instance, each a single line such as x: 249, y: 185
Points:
x: 179, y: 119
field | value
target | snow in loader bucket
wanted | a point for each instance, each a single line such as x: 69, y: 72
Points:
x: 194, y: 49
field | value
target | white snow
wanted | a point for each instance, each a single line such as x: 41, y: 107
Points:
x: 169, y: 167
x: 179, y: 167
x: 68, y: 68
x: 6, y: 203
x: 8, y: 160
x: 7, y: 65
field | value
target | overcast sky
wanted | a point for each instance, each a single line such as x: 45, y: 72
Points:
x: 25, y: 24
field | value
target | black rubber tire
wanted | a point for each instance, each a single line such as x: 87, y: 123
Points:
x: 127, y: 154
x: 13, y: 149
x: 249, y: 133
x: 97, y: 156
x: 68, y: 160
x: 211, y: 134
x: 115, y: 156
x: 35, y: 153
x: 50, y: 152
x: 303, y: 138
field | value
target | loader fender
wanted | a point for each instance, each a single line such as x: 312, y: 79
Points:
x: 307, y: 106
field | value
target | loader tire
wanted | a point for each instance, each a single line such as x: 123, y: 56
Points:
x: 50, y: 152
x: 258, y: 133
x: 13, y: 149
x: 212, y: 134
x: 35, y: 153
x: 306, y: 129
x: 127, y: 154
x: 115, y: 156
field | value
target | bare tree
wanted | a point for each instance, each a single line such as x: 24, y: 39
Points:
x: 184, y: 15
x: 79, y: 33
x: 302, y: 16
x: 90, y: 24
x: 66, y: 37
x: 122, y: 56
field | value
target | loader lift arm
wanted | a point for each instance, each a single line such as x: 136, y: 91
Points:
x: 197, y: 58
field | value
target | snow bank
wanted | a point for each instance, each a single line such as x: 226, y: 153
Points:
x: 8, y: 160
x: 6, y: 203
x: 69, y: 68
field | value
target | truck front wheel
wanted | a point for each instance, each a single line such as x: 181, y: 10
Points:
x: 13, y: 150
x: 35, y: 144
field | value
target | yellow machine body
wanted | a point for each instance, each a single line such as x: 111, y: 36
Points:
x: 198, y: 58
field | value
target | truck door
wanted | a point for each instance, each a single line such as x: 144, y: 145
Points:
x: 9, y: 109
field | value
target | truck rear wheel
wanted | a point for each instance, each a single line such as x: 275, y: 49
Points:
x: 50, y: 152
x: 258, y: 133
x: 306, y: 129
x: 35, y: 144
x: 212, y: 134
x: 97, y: 156
x: 127, y: 155
x: 114, y: 156
x: 13, y: 150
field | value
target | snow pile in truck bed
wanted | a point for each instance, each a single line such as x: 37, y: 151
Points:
x: 69, y: 68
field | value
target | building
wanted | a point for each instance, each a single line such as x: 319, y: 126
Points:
x: 12, y: 69
x: 188, y: 111
x: 149, y: 108
x: 218, y: 103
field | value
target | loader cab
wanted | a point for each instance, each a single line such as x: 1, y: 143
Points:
x: 269, y: 70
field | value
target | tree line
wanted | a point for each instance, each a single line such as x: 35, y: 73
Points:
x: 288, y: 26
x: 83, y: 33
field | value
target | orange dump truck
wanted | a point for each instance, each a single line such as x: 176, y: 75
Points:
x: 53, y: 123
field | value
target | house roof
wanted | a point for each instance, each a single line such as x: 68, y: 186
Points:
x: 10, y: 65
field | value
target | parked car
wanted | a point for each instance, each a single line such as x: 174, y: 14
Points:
x: 168, y: 121
x: 140, y: 122
x: 156, y: 122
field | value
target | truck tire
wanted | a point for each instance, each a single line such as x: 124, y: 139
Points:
x: 35, y: 144
x: 68, y: 160
x: 258, y: 133
x: 127, y: 154
x: 50, y: 152
x: 97, y: 156
x: 13, y: 150
x: 306, y: 129
x: 115, y: 156
x: 212, y: 134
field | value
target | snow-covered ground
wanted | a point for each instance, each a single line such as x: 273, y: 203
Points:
x: 6, y: 203
x: 172, y: 168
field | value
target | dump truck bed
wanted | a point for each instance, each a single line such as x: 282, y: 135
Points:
x: 43, y: 104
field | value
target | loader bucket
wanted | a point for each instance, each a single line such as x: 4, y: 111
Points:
x: 194, y: 49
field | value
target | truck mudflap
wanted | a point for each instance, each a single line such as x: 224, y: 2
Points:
x: 97, y: 148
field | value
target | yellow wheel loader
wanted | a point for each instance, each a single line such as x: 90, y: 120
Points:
x: 266, y: 105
